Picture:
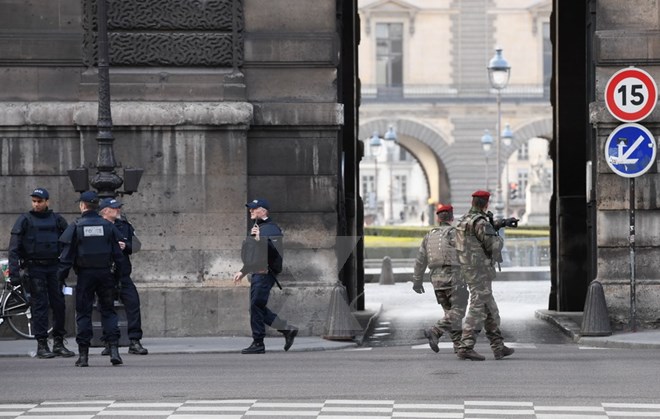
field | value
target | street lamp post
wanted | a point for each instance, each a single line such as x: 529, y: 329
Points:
x: 390, y: 139
x: 105, y: 181
x: 486, y: 144
x: 507, y: 138
x: 375, y: 145
x: 499, y: 72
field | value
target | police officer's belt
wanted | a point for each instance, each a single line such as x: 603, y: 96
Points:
x: 42, y: 262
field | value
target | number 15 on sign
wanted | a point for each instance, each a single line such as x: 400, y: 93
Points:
x: 631, y: 94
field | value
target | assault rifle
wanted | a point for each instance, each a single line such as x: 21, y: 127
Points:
x: 511, y: 222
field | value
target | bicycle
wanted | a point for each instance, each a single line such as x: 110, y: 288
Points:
x: 15, y: 306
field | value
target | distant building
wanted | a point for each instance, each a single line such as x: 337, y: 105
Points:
x: 423, y: 68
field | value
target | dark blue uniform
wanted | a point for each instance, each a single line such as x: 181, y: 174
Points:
x: 34, y: 246
x: 262, y: 282
x: 128, y: 293
x: 91, y: 247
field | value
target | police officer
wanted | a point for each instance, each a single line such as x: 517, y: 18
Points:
x: 34, y: 246
x: 438, y: 252
x: 91, y: 245
x: 110, y: 209
x: 479, y: 248
x: 262, y: 280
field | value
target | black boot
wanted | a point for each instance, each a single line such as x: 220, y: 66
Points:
x: 257, y: 347
x: 83, y: 356
x: 289, y: 336
x: 106, y: 350
x: 59, y: 349
x: 114, y: 354
x: 43, y: 351
x: 135, y: 347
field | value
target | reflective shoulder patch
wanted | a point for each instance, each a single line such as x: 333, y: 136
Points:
x: 92, y: 231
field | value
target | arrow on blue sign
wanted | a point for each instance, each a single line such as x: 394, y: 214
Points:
x: 630, y: 150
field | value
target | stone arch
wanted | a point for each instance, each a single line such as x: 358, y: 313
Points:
x: 541, y: 128
x: 425, y: 144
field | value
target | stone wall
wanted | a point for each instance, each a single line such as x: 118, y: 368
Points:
x: 626, y: 36
x: 209, y: 137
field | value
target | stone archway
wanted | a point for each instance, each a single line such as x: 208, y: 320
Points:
x: 425, y: 144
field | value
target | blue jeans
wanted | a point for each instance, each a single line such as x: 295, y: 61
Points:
x: 99, y: 282
x: 46, y: 292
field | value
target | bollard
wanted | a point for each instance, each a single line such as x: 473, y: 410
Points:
x: 340, y: 324
x: 386, y: 272
x: 595, y: 319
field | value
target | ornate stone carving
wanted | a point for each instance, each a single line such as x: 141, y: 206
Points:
x: 168, y: 32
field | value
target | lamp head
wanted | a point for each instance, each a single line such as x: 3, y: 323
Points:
x: 486, y: 141
x: 390, y: 135
x: 507, y: 135
x: 499, y: 70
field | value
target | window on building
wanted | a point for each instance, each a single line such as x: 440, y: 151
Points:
x: 547, y: 57
x: 369, y: 190
x: 523, y: 179
x: 523, y: 152
x: 389, y: 54
x: 401, y: 182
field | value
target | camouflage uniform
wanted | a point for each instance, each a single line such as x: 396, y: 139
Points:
x: 438, y: 252
x: 479, y: 247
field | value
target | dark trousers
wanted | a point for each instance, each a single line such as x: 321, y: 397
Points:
x: 130, y: 298
x: 46, y: 292
x: 97, y: 282
x: 260, y: 314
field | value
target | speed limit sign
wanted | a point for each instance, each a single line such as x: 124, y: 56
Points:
x: 631, y: 94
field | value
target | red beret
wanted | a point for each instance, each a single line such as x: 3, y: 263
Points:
x: 481, y: 194
x: 444, y: 208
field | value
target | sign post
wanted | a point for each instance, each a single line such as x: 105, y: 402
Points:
x: 630, y: 96
x: 630, y: 151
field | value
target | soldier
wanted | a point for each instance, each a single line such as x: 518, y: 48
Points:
x: 110, y: 209
x: 34, y: 246
x: 479, y: 248
x: 91, y: 245
x: 263, y: 277
x: 438, y: 252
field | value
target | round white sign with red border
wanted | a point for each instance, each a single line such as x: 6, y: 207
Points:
x: 631, y: 94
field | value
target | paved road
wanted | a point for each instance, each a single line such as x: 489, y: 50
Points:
x: 405, y: 313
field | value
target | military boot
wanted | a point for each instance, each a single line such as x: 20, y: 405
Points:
x: 433, y: 335
x: 43, y: 351
x: 59, y: 349
x: 289, y: 336
x: 83, y: 356
x: 136, y: 348
x: 501, y: 353
x: 470, y: 354
x: 114, y: 354
x: 106, y: 350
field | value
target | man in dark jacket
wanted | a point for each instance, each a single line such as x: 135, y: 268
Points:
x: 110, y: 209
x: 91, y: 246
x: 267, y: 233
x: 34, y: 246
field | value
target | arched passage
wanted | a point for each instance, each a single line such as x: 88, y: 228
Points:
x: 425, y: 144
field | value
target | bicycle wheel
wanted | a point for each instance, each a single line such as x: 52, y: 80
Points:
x: 18, y: 314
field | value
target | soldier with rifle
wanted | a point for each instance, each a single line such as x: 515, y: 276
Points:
x: 479, y: 247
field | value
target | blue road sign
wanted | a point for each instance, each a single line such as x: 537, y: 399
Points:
x: 630, y: 150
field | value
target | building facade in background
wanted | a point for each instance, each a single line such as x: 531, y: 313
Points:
x: 423, y: 72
